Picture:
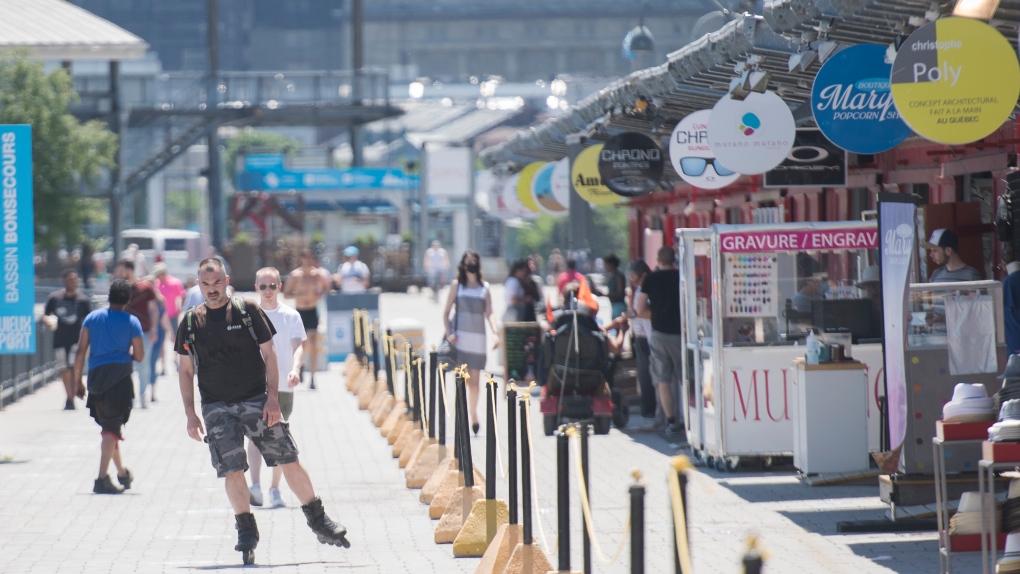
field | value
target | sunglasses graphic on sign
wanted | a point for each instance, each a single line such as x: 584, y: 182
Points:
x: 695, y: 166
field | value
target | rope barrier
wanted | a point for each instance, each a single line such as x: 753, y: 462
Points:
x: 679, y: 517
x: 526, y: 397
x: 586, y: 506
x: 442, y: 383
x: 495, y: 424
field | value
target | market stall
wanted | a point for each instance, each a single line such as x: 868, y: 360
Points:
x: 750, y: 295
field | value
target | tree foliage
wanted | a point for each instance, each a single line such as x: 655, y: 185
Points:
x: 67, y: 156
x: 546, y: 232
x: 254, y: 139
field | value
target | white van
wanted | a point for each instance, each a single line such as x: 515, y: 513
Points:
x: 181, y: 250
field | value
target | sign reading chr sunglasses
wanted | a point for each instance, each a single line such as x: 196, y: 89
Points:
x: 691, y: 156
x: 806, y: 240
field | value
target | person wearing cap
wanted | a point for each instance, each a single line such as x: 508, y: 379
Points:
x: 1011, y: 300
x: 944, y: 249
x: 353, y: 275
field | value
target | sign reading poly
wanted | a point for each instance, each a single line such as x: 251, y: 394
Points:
x: 630, y: 164
x: 852, y: 103
x: 693, y: 158
x: 955, y: 80
x: 813, y: 162
x: 17, y: 315
x: 560, y: 181
x: 587, y: 180
x: 752, y: 135
x: 524, y: 185
x: 541, y: 190
x: 806, y: 240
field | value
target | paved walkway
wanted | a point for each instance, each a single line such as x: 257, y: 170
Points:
x: 177, y: 518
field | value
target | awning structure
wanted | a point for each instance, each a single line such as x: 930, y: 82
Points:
x: 695, y: 77
x: 58, y: 30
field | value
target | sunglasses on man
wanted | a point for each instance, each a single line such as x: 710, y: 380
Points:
x: 270, y: 286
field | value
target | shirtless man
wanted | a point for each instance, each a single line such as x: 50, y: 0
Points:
x: 307, y: 285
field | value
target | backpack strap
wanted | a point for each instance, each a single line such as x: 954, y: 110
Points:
x: 245, y: 317
x: 189, y: 336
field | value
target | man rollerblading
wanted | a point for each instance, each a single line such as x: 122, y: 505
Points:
x: 325, y: 529
x: 228, y: 343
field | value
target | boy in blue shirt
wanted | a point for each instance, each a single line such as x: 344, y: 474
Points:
x: 116, y: 338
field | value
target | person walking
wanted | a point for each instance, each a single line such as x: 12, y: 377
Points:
x: 115, y: 338
x: 289, y: 342
x: 641, y: 330
x: 353, y: 276
x: 308, y: 285
x: 142, y: 305
x: 571, y: 275
x: 616, y: 285
x: 522, y: 294
x: 64, y: 312
x: 469, y: 293
x: 437, y: 268
x: 659, y: 301
x: 173, y: 292
x: 228, y: 343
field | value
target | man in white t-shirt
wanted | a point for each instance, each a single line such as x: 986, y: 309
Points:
x: 290, y: 334
x: 353, y: 276
x: 437, y: 268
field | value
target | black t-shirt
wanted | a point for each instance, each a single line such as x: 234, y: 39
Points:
x: 230, y: 364
x: 70, y: 313
x: 663, y: 290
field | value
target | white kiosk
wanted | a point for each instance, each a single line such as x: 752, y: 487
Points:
x: 750, y: 294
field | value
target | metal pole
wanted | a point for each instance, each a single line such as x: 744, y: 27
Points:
x: 585, y: 539
x: 441, y: 411
x: 423, y: 203
x: 490, y: 441
x: 465, y: 438
x: 563, y: 498
x: 116, y: 172
x: 374, y: 338
x: 511, y: 432
x: 525, y: 474
x: 433, y: 385
x: 357, y: 63
x: 683, y: 502
x: 388, y: 349
x: 416, y: 408
x: 637, y: 529
x: 408, y: 387
x: 580, y: 210
x: 215, y: 187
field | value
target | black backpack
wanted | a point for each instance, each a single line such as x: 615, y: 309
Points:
x: 585, y: 365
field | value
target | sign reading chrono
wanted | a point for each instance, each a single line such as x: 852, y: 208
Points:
x: 630, y: 164
x: 955, y: 80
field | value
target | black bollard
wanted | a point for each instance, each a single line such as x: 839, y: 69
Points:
x: 683, y: 503
x: 637, y: 529
x: 585, y: 539
x: 408, y: 387
x: 490, y: 441
x: 374, y: 340
x: 433, y: 366
x: 441, y: 411
x: 355, y: 326
x: 389, y: 359
x: 416, y: 412
x: 458, y: 424
x: 465, y: 437
x: 753, y: 561
x: 511, y: 432
x: 420, y: 389
x: 525, y: 474
x: 563, y: 498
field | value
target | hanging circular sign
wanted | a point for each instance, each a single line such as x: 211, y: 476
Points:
x: 511, y: 201
x: 752, y: 135
x: 852, y: 103
x: 955, y: 80
x: 587, y: 181
x: 493, y: 189
x: 691, y: 156
x: 524, y: 185
x: 561, y: 182
x: 541, y: 191
x: 630, y: 164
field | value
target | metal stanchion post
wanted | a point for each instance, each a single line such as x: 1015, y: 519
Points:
x: 511, y: 431
x: 637, y: 527
x: 388, y: 347
x: 525, y: 474
x: 683, y: 503
x: 585, y: 539
x: 563, y: 498
x: 415, y: 411
x: 433, y: 385
x: 408, y: 387
x: 458, y: 424
x: 752, y: 561
x: 490, y: 440
x: 441, y: 411
x: 465, y: 438
x: 374, y: 339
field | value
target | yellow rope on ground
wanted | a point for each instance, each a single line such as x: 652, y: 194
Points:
x: 526, y: 397
x: 586, y: 506
x: 495, y: 425
x: 679, y: 517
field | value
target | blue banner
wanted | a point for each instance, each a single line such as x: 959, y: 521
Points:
x: 266, y: 172
x: 17, y: 315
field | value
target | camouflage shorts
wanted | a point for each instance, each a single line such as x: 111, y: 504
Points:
x: 226, y: 425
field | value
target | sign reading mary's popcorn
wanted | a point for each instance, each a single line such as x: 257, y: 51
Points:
x: 955, y: 80
x: 17, y: 242
x: 852, y: 102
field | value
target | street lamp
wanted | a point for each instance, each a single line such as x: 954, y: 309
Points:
x: 639, y: 41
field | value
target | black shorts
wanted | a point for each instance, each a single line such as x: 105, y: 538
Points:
x: 309, y: 318
x: 113, y: 408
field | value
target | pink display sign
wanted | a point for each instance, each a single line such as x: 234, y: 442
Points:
x: 798, y: 240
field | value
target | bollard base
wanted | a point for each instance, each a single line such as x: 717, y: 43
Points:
x: 366, y: 392
x: 381, y: 392
x: 527, y: 559
x: 431, y: 487
x: 403, y: 435
x: 364, y: 374
x: 393, y: 425
x: 444, y: 496
x: 480, y: 528
x: 354, y: 376
x: 415, y: 458
x: 383, y: 415
x: 457, y: 512
x: 350, y: 364
x: 497, y: 555
x: 383, y: 410
x: 412, y: 445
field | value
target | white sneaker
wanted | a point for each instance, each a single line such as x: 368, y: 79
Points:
x: 255, y: 495
x: 275, y: 500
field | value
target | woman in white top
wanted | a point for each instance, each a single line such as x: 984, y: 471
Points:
x: 470, y: 295
x: 641, y: 330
